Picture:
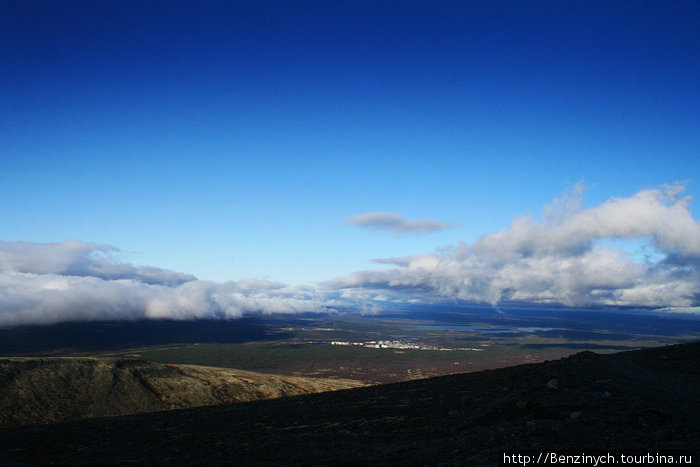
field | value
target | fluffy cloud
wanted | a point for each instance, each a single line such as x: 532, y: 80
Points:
x: 75, y: 258
x: 562, y: 260
x: 659, y: 214
x: 43, y: 283
x: 48, y: 298
x: 565, y: 259
x: 395, y: 223
x: 201, y: 299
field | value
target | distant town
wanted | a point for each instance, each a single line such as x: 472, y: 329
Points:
x: 400, y: 345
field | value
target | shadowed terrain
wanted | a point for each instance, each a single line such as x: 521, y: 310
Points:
x: 44, y: 390
x: 642, y: 401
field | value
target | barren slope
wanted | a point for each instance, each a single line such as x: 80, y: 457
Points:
x: 632, y: 402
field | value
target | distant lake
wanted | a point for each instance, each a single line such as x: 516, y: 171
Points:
x: 476, y: 328
x: 569, y: 323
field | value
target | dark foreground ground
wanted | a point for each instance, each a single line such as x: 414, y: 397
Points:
x: 640, y: 402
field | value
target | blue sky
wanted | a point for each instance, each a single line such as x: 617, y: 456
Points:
x: 233, y: 140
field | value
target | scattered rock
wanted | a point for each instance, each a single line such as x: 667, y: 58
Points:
x: 553, y: 384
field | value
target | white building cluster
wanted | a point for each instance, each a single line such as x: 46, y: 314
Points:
x: 398, y: 345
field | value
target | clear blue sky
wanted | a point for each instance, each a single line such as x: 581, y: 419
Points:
x: 232, y: 140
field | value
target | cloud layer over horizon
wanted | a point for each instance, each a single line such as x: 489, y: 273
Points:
x: 564, y: 259
x: 43, y: 283
x: 567, y: 258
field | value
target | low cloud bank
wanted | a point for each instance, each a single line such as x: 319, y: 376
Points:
x: 388, y: 221
x: 562, y: 259
x: 49, y: 298
x: 42, y: 283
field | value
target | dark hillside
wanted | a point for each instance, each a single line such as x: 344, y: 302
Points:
x: 633, y: 402
x: 46, y: 390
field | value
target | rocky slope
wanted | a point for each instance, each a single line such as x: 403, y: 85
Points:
x: 641, y: 402
x: 45, y: 390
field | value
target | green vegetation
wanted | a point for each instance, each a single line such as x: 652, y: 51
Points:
x: 302, y: 347
x: 279, y: 355
x: 41, y: 390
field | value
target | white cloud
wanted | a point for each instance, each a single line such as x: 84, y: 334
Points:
x: 564, y: 259
x: 559, y: 260
x: 660, y: 214
x: 76, y: 258
x: 391, y: 222
x: 27, y: 298
x: 43, y: 283
x: 48, y: 298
